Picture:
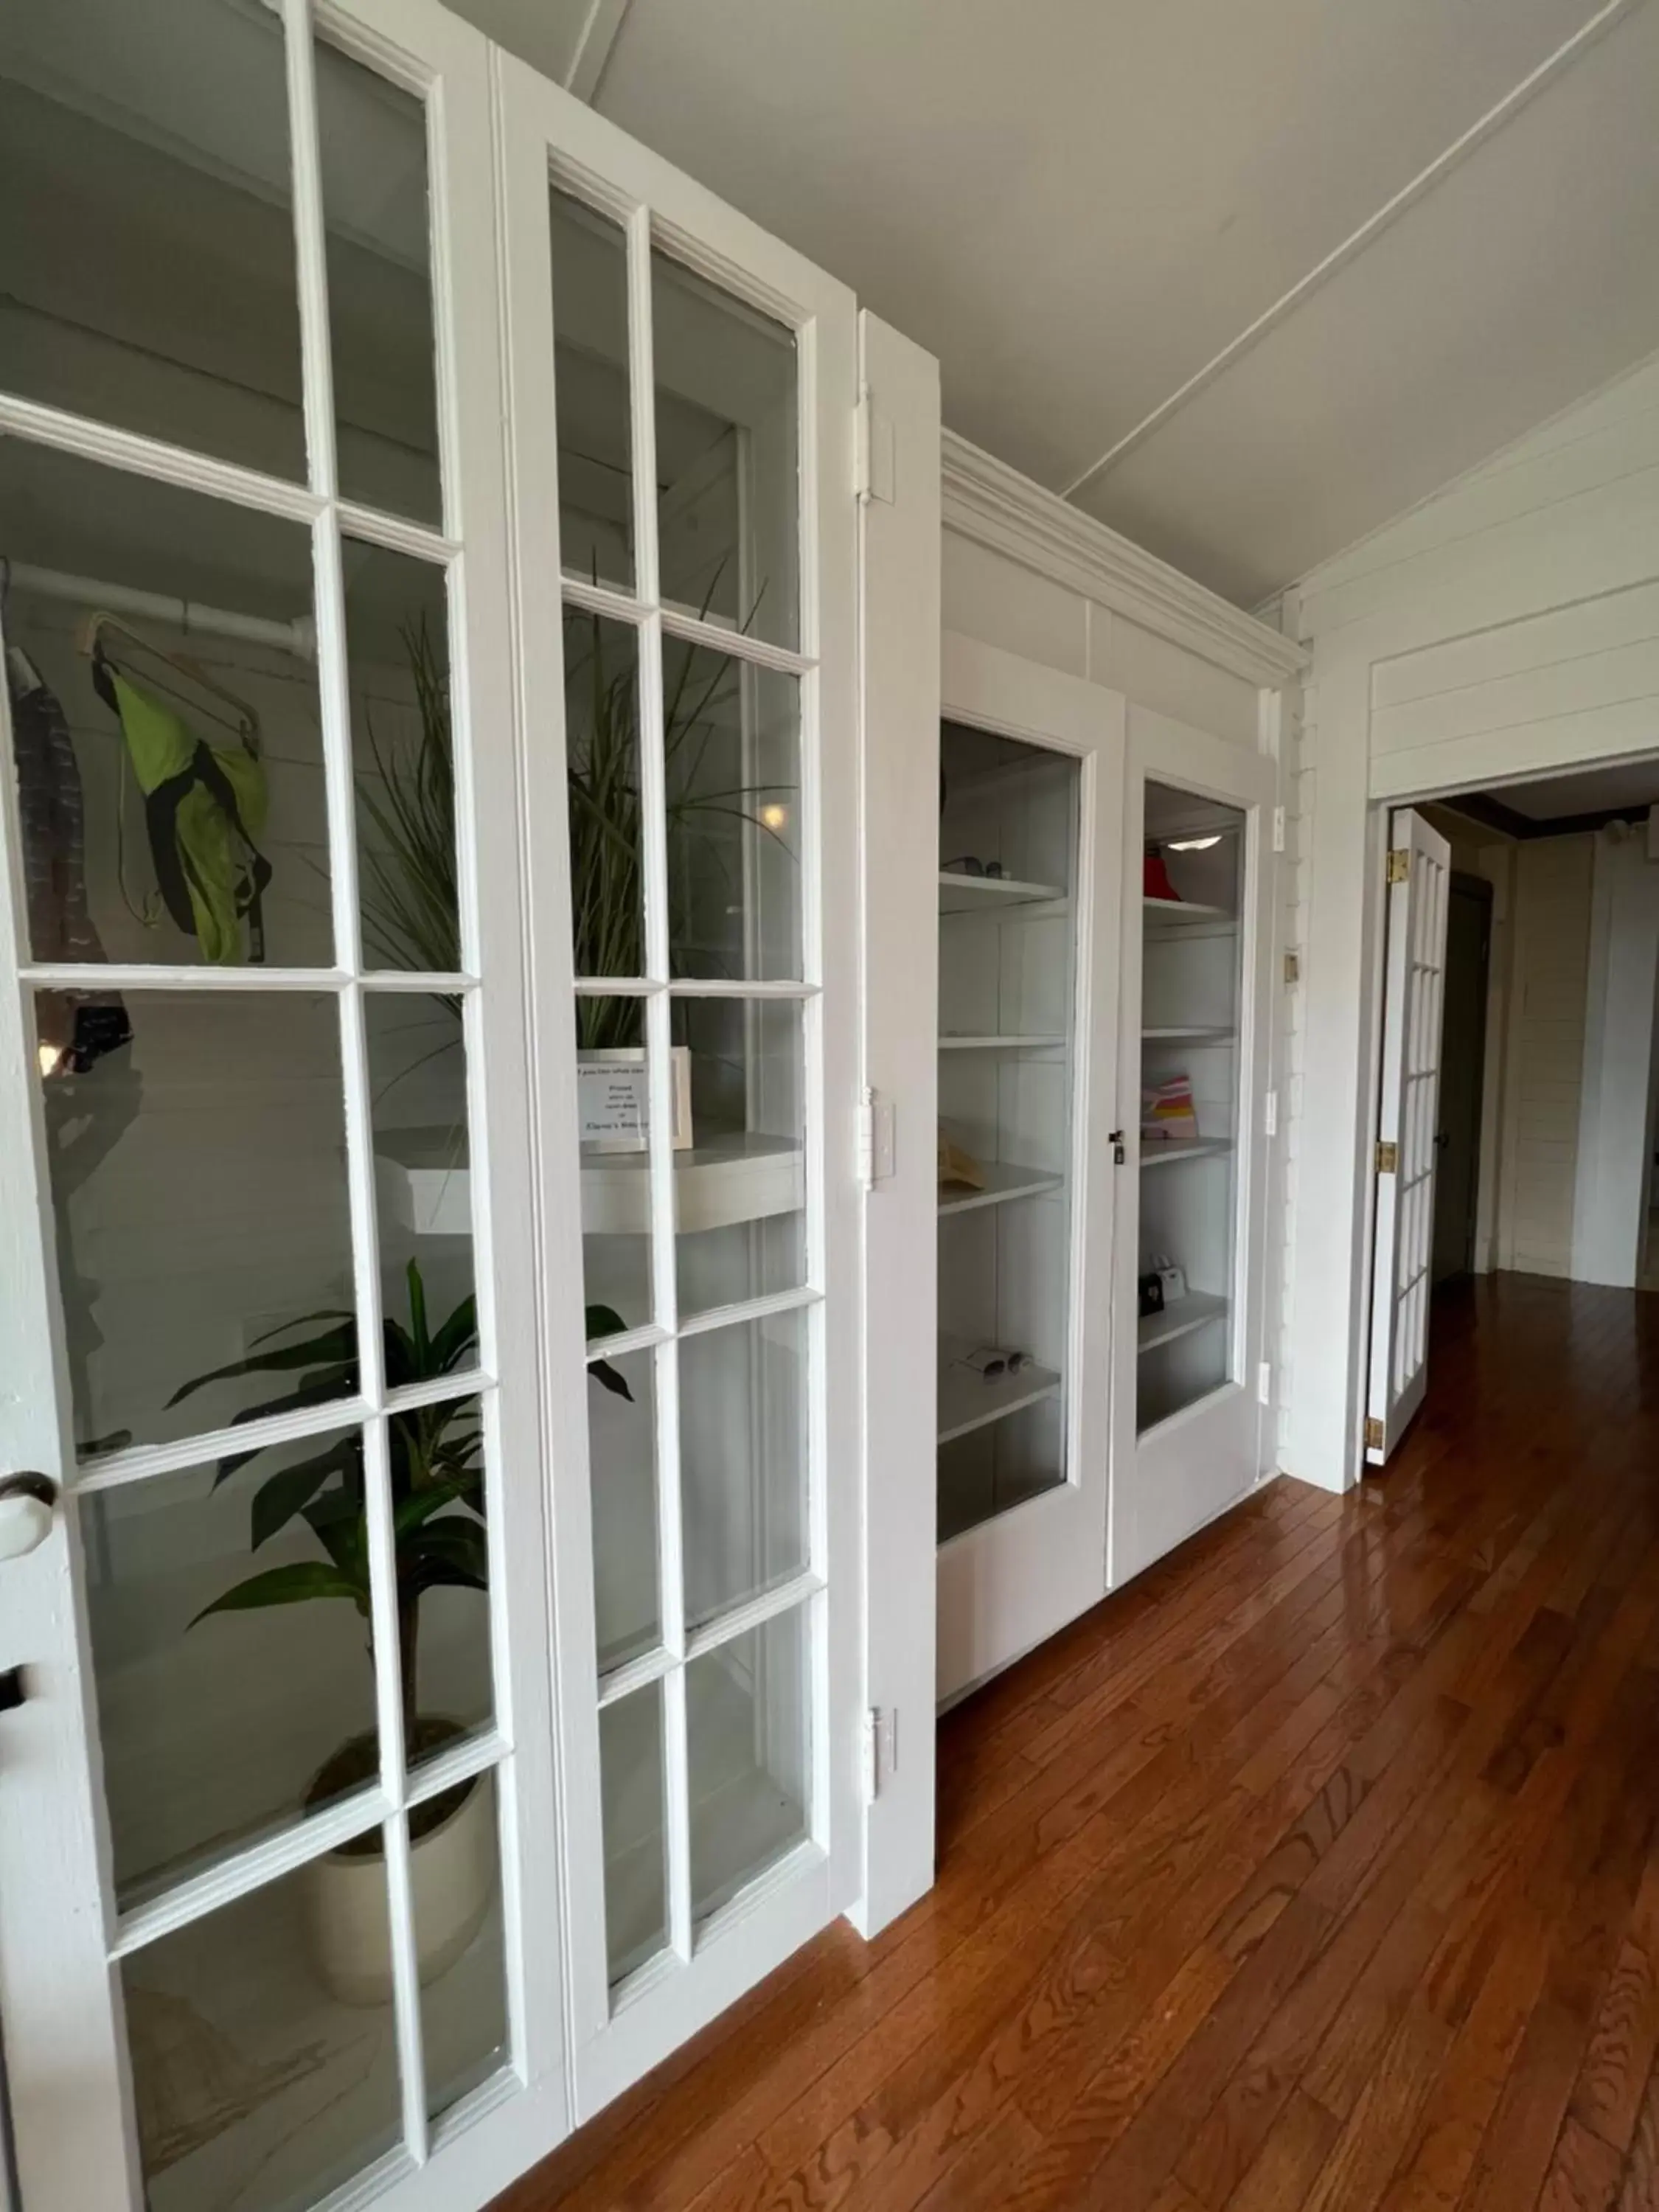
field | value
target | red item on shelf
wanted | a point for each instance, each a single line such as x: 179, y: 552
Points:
x: 1158, y: 885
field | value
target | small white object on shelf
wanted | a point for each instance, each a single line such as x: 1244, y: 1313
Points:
x: 963, y: 894
x: 966, y: 1403
x: 1196, y: 1311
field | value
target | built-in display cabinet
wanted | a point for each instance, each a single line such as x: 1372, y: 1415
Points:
x: 1104, y: 874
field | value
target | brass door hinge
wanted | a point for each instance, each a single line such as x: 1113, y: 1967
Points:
x: 1373, y: 1436
x: 1388, y: 1159
x: 1400, y: 866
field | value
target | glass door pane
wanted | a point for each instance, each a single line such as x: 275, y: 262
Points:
x: 245, y: 812
x: 1007, y: 871
x: 688, y: 745
x: 1191, y: 987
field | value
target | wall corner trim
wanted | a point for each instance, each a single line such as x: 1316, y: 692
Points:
x: 995, y: 506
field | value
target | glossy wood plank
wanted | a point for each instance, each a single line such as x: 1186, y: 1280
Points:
x: 1318, y: 1871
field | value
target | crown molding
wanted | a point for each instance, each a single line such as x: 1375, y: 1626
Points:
x: 997, y: 508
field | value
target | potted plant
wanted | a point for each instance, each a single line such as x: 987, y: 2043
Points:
x: 440, y: 1539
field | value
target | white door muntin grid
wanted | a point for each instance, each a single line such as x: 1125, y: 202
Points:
x: 1407, y: 1117
x: 63, y: 1982
x: 551, y: 141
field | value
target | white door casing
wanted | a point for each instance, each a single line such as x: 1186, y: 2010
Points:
x: 899, y: 675
x: 547, y: 139
x: 1007, y: 1584
x: 1414, y: 960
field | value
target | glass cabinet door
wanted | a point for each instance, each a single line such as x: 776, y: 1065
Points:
x: 685, y: 538
x: 1008, y: 832
x: 1190, y: 1357
x: 1188, y: 1104
x: 262, y: 1038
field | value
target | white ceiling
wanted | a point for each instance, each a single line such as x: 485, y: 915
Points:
x: 1245, y: 282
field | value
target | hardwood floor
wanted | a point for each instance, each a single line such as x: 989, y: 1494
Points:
x: 1317, y: 1870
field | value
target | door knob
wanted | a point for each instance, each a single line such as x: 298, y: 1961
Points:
x: 26, y: 1502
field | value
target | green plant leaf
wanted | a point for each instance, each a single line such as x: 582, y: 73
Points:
x: 285, y: 1493
x: 602, y: 1321
x: 453, y: 1552
x: 335, y: 1344
x: 456, y: 1337
x: 289, y: 1585
x: 316, y: 1390
x: 340, y: 1525
x: 417, y: 1328
x: 601, y: 1371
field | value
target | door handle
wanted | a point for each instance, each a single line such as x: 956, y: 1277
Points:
x: 28, y: 1502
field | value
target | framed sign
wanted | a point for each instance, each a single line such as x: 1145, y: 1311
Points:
x: 613, y: 1099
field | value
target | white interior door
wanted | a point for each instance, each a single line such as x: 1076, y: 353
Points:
x: 1027, y: 1087
x: 683, y: 400
x: 277, y: 1805
x: 1198, y: 876
x: 1419, y: 872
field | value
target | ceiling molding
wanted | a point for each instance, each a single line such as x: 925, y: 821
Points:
x: 592, y: 49
x: 1483, y: 128
x: 994, y: 504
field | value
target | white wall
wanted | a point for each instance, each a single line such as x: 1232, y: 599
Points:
x: 1508, y: 626
x: 1610, y: 1190
x: 1545, y: 1092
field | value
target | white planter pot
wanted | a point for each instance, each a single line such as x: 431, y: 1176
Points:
x: 451, y: 1880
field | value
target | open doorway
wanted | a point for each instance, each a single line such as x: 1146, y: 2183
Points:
x: 1538, y: 1148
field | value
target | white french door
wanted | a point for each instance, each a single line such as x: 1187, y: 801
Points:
x: 682, y: 393
x: 277, y: 1923
x: 1197, y: 935
x: 1028, y: 1085
x: 1407, y: 1153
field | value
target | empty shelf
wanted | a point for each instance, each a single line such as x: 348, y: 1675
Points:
x: 1197, y: 1309
x: 999, y: 1043
x: 960, y: 894
x: 1002, y: 1182
x: 966, y: 1403
x: 1165, y: 1154
x: 1189, y: 1033
x: 1178, y: 911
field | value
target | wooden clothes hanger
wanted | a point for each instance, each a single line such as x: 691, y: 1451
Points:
x: 246, y: 724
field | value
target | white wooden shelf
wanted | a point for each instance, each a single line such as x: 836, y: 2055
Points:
x: 730, y: 1177
x: 1166, y: 1154
x: 999, y: 1043
x: 1179, y: 913
x: 960, y: 894
x: 1196, y: 1311
x: 966, y: 1402
x: 1191, y: 1033
x: 1003, y: 1181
